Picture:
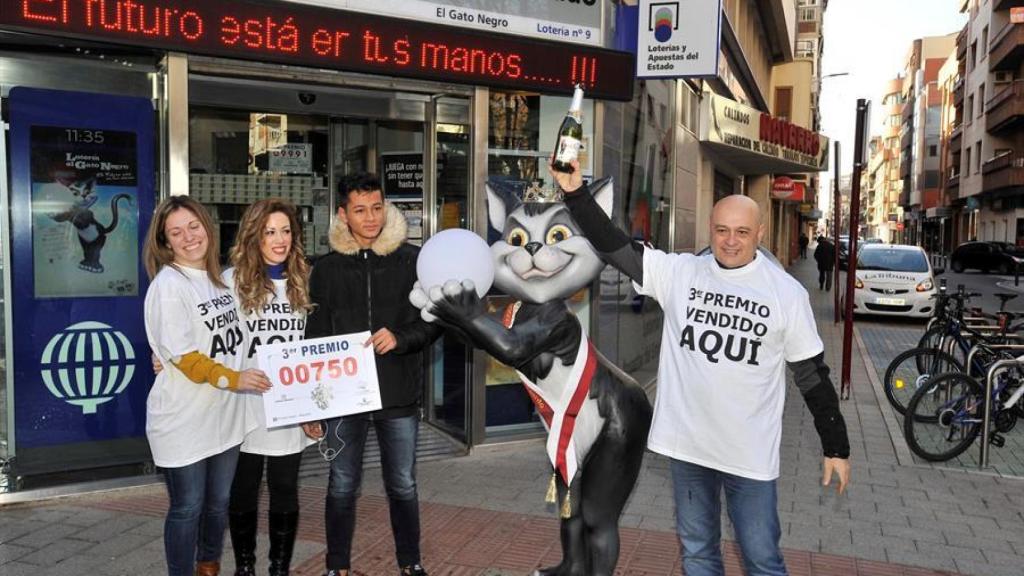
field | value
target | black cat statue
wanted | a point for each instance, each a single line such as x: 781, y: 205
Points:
x: 597, y: 417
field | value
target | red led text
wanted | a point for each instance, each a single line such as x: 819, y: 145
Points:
x: 300, y: 34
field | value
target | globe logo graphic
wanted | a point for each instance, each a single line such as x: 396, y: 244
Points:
x: 87, y: 364
x: 663, y: 24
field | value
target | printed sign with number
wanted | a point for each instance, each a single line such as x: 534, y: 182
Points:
x: 319, y: 379
x: 292, y: 159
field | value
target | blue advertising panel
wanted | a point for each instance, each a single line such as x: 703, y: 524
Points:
x: 82, y: 194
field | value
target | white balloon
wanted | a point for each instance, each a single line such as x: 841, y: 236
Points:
x: 458, y: 255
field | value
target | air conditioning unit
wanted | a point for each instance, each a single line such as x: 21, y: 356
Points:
x: 1003, y: 76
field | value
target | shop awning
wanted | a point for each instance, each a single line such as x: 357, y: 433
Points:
x: 753, y: 142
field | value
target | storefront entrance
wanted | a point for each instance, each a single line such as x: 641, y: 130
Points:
x: 253, y: 139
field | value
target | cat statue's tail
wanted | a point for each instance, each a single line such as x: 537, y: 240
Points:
x: 113, y: 210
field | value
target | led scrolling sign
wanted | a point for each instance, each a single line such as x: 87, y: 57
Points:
x: 299, y: 34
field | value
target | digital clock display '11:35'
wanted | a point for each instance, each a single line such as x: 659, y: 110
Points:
x: 306, y: 35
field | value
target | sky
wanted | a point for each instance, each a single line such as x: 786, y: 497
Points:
x: 869, y: 40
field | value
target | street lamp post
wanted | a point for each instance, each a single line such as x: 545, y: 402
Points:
x: 851, y: 254
x: 836, y: 215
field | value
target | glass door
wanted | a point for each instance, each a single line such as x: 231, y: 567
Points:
x: 447, y: 158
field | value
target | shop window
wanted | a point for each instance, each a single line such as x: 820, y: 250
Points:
x: 521, y: 139
x: 783, y: 102
x: 724, y: 185
x: 690, y: 108
x: 237, y: 157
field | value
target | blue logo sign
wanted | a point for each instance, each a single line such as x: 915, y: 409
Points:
x: 663, y: 18
x: 87, y: 364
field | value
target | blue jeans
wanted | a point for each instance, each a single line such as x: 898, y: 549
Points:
x: 752, y: 507
x: 397, y: 440
x: 199, y: 494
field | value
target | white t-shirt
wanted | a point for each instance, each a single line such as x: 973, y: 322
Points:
x: 186, y: 421
x: 274, y: 322
x: 726, y: 339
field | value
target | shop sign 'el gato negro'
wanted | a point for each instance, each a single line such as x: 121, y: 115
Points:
x: 782, y: 145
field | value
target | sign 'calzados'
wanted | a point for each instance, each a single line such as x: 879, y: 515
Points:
x: 784, y: 146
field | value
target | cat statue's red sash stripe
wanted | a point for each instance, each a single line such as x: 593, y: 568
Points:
x: 559, y: 414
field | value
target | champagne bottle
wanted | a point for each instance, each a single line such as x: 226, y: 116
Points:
x: 570, y: 135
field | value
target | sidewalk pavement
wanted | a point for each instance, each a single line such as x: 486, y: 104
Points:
x: 483, y: 514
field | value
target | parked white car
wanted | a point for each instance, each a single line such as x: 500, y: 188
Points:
x: 894, y: 280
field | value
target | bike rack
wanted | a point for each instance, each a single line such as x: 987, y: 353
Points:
x: 996, y: 368
x: 976, y: 347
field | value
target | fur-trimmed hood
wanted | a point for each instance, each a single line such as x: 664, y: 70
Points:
x: 391, y: 236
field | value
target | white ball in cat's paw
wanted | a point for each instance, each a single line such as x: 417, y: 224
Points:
x: 458, y: 255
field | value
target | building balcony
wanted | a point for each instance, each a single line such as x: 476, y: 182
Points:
x: 961, y: 43
x: 1005, y: 109
x: 904, y: 170
x: 958, y: 92
x: 1002, y: 4
x: 956, y: 139
x: 906, y: 139
x: 1007, y: 48
x: 1001, y: 172
x: 953, y: 181
x: 907, y: 114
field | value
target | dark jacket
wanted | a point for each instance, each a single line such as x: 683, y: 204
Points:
x: 825, y: 255
x: 353, y: 290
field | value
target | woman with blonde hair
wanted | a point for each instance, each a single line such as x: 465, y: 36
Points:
x: 270, y: 278
x: 195, y: 419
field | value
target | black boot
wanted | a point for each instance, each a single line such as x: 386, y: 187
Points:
x: 282, y: 541
x: 242, y: 526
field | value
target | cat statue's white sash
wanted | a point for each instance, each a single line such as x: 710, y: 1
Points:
x: 559, y: 414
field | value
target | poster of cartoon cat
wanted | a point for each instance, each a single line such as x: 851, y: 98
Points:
x: 85, y: 232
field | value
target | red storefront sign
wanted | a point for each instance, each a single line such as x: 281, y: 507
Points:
x: 785, y: 188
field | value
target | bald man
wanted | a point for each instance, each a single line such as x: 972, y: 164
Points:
x: 734, y: 321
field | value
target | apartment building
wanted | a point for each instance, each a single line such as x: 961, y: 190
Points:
x: 950, y: 132
x: 881, y: 184
x: 919, y: 140
x: 988, y: 144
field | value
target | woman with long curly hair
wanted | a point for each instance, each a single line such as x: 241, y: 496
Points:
x: 270, y: 279
x: 195, y: 416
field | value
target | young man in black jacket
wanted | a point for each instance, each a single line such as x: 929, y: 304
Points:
x: 364, y: 285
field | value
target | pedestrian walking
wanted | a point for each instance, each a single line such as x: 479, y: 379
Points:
x: 803, y: 246
x: 825, y: 256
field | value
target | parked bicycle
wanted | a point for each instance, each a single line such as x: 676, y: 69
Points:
x: 946, y: 415
x: 947, y: 341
